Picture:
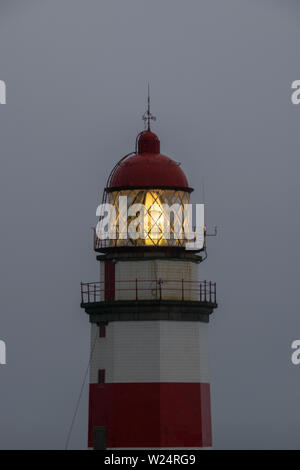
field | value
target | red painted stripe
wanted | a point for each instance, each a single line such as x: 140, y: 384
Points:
x: 109, y: 276
x: 152, y: 414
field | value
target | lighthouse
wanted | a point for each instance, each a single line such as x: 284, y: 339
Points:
x: 149, y: 313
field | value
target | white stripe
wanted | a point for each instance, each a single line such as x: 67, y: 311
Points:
x: 152, y: 351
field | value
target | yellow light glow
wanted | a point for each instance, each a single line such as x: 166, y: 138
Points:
x: 155, y: 219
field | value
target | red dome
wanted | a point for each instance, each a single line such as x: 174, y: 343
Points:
x: 148, y: 168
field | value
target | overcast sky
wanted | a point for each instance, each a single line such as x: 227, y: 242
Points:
x: 220, y: 74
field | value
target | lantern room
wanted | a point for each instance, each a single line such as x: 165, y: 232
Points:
x: 148, y: 180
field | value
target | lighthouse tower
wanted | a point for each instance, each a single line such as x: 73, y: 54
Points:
x: 149, y: 314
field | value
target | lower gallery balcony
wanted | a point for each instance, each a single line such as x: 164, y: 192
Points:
x: 149, y: 300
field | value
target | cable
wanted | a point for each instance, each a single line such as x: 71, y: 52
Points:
x: 80, y: 393
x: 205, y: 251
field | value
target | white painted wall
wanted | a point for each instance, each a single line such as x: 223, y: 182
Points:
x: 150, y: 270
x: 152, y: 351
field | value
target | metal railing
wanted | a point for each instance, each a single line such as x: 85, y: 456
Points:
x: 161, y: 289
x: 117, y: 243
x: 100, y: 244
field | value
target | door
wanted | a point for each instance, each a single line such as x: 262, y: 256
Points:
x: 99, y: 437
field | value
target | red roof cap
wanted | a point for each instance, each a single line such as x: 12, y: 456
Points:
x: 149, y: 168
x: 148, y: 142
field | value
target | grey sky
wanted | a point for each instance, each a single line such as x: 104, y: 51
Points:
x: 220, y: 74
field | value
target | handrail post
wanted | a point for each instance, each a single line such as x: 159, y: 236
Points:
x: 210, y: 291
x: 159, y: 283
x: 88, y: 291
x: 136, y: 289
x: 200, y: 284
x: 95, y: 292
x: 215, y: 299
x: 182, y: 289
x: 205, y: 290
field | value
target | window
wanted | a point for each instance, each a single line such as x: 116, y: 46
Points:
x: 101, y: 376
x: 102, y: 330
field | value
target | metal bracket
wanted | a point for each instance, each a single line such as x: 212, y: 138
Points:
x: 214, y: 234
